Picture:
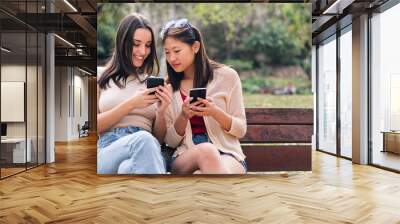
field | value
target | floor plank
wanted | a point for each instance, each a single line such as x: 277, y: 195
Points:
x: 70, y: 191
x: 386, y: 159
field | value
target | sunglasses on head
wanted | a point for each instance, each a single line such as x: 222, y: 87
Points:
x: 180, y: 23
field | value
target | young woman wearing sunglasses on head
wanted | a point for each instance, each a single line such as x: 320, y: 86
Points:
x: 128, y: 112
x: 206, y: 133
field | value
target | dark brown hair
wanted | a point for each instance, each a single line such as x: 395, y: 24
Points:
x: 120, y: 66
x: 204, y: 67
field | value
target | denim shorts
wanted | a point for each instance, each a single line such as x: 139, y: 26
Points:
x: 111, y: 136
x: 201, y: 138
x: 129, y: 150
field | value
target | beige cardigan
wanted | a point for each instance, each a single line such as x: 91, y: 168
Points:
x: 226, y: 91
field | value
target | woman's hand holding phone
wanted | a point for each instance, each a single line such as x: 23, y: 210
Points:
x: 164, y: 94
x: 187, y: 108
x: 186, y: 113
x: 143, y: 98
x: 205, y: 107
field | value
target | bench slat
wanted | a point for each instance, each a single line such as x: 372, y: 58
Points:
x: 278, y: 134
x: 279, y: 116
x: 278, y: 158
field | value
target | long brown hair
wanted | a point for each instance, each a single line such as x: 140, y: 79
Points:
x: 204, y: 67
x: 120, y: 66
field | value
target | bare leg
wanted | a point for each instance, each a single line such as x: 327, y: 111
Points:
x: 186, y: 163
x: 231, y: 164
x: 204, y: 156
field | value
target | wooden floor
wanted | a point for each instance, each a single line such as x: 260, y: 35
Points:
x: 387, y: 159
x: 10, y: 171
x: 70, y: 191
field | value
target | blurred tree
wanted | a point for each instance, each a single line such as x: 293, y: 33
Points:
x: 108, y: 18
x: 261, y: 34
x: 283, y: 38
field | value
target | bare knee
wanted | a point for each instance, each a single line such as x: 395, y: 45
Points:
x: 210, y: 160
x: 207, y: 152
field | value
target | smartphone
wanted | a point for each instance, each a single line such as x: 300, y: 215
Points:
x: 196, y: 93
x: 154, y: 82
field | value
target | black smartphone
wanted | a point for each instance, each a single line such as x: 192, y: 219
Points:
x: 154, y: 82
x: 197, y: 93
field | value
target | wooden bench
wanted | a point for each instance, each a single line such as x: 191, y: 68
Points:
x: 278, y: 139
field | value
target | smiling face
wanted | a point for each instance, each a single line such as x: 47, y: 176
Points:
x: 141, y: 46
x: 180, y: 55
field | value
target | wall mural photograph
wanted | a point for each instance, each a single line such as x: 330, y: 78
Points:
x: 218, y: 64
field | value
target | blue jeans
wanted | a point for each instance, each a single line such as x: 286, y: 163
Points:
x: 129, y: 150
x: 201, y: 138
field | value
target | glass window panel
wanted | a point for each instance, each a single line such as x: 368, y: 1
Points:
x: 327, y: 96
x: 346, y: 94
x: 22, y: 63
x: 41, y: 98
x: 14, y: 146
x: 385, y: 88
x: 31, y: 97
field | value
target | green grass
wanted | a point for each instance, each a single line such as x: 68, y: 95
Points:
x: 278, y: 101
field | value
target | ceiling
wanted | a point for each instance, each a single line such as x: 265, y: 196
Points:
x: 330, y: 15
x: 74, y: 22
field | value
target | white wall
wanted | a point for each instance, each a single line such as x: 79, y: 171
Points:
x: 70, y: 83
x: 82, y: 82
x: 12, y: 73
x: 33, y: 127
x: 61, y: 103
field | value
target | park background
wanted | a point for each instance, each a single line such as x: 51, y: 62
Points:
x: 269, y: 45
